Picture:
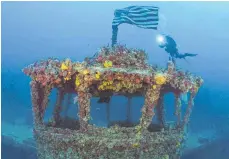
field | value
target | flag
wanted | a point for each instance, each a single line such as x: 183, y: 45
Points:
x: 142, y: 16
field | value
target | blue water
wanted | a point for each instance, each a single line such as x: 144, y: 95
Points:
x: 38, y: 30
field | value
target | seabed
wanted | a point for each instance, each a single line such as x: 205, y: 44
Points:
x: 112, y: 71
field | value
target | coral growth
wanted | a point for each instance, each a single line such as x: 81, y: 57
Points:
x: 160, y: 79
x: 116, y: 70
x: 120, y: 57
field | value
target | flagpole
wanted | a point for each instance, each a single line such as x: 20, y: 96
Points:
x: 114, y: 34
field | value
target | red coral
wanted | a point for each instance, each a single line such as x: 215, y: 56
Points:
x: 112, y: 58
x: 27, y: 71
x: 147, y: 79
x: 110, y: 77
x: 137, y: 80
x: 100, y: 58
x: 187, y: 84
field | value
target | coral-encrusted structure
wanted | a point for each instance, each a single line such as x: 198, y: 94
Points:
x: 116, y: 70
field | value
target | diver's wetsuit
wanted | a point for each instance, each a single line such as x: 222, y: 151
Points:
x: 171, y: 48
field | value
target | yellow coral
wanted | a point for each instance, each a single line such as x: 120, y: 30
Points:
x: 154, y: 86
x: 97, y: 75
x: 77, y: 81
x: 108, y: 64
x: 64, y: 66
x: 101, y: 87
x: 67, y: 78
x: 160, y: 79
x: 85, y: 72
x: 107, y: 85
x: 104, y: 83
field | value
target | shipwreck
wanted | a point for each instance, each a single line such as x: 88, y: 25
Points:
x: 113, y: 70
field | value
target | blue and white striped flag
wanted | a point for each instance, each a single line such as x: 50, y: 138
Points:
x: 142, y: 16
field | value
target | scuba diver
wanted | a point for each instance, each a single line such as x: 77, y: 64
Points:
x: 170, y: 46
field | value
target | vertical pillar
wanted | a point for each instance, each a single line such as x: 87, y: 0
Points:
x: 188, y: 110
x: 151, y: 99
x: 178, y: 109
x: 84, y: 109
x: 39, y: 96
x: 161, y: 110
x: 35, y: 101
